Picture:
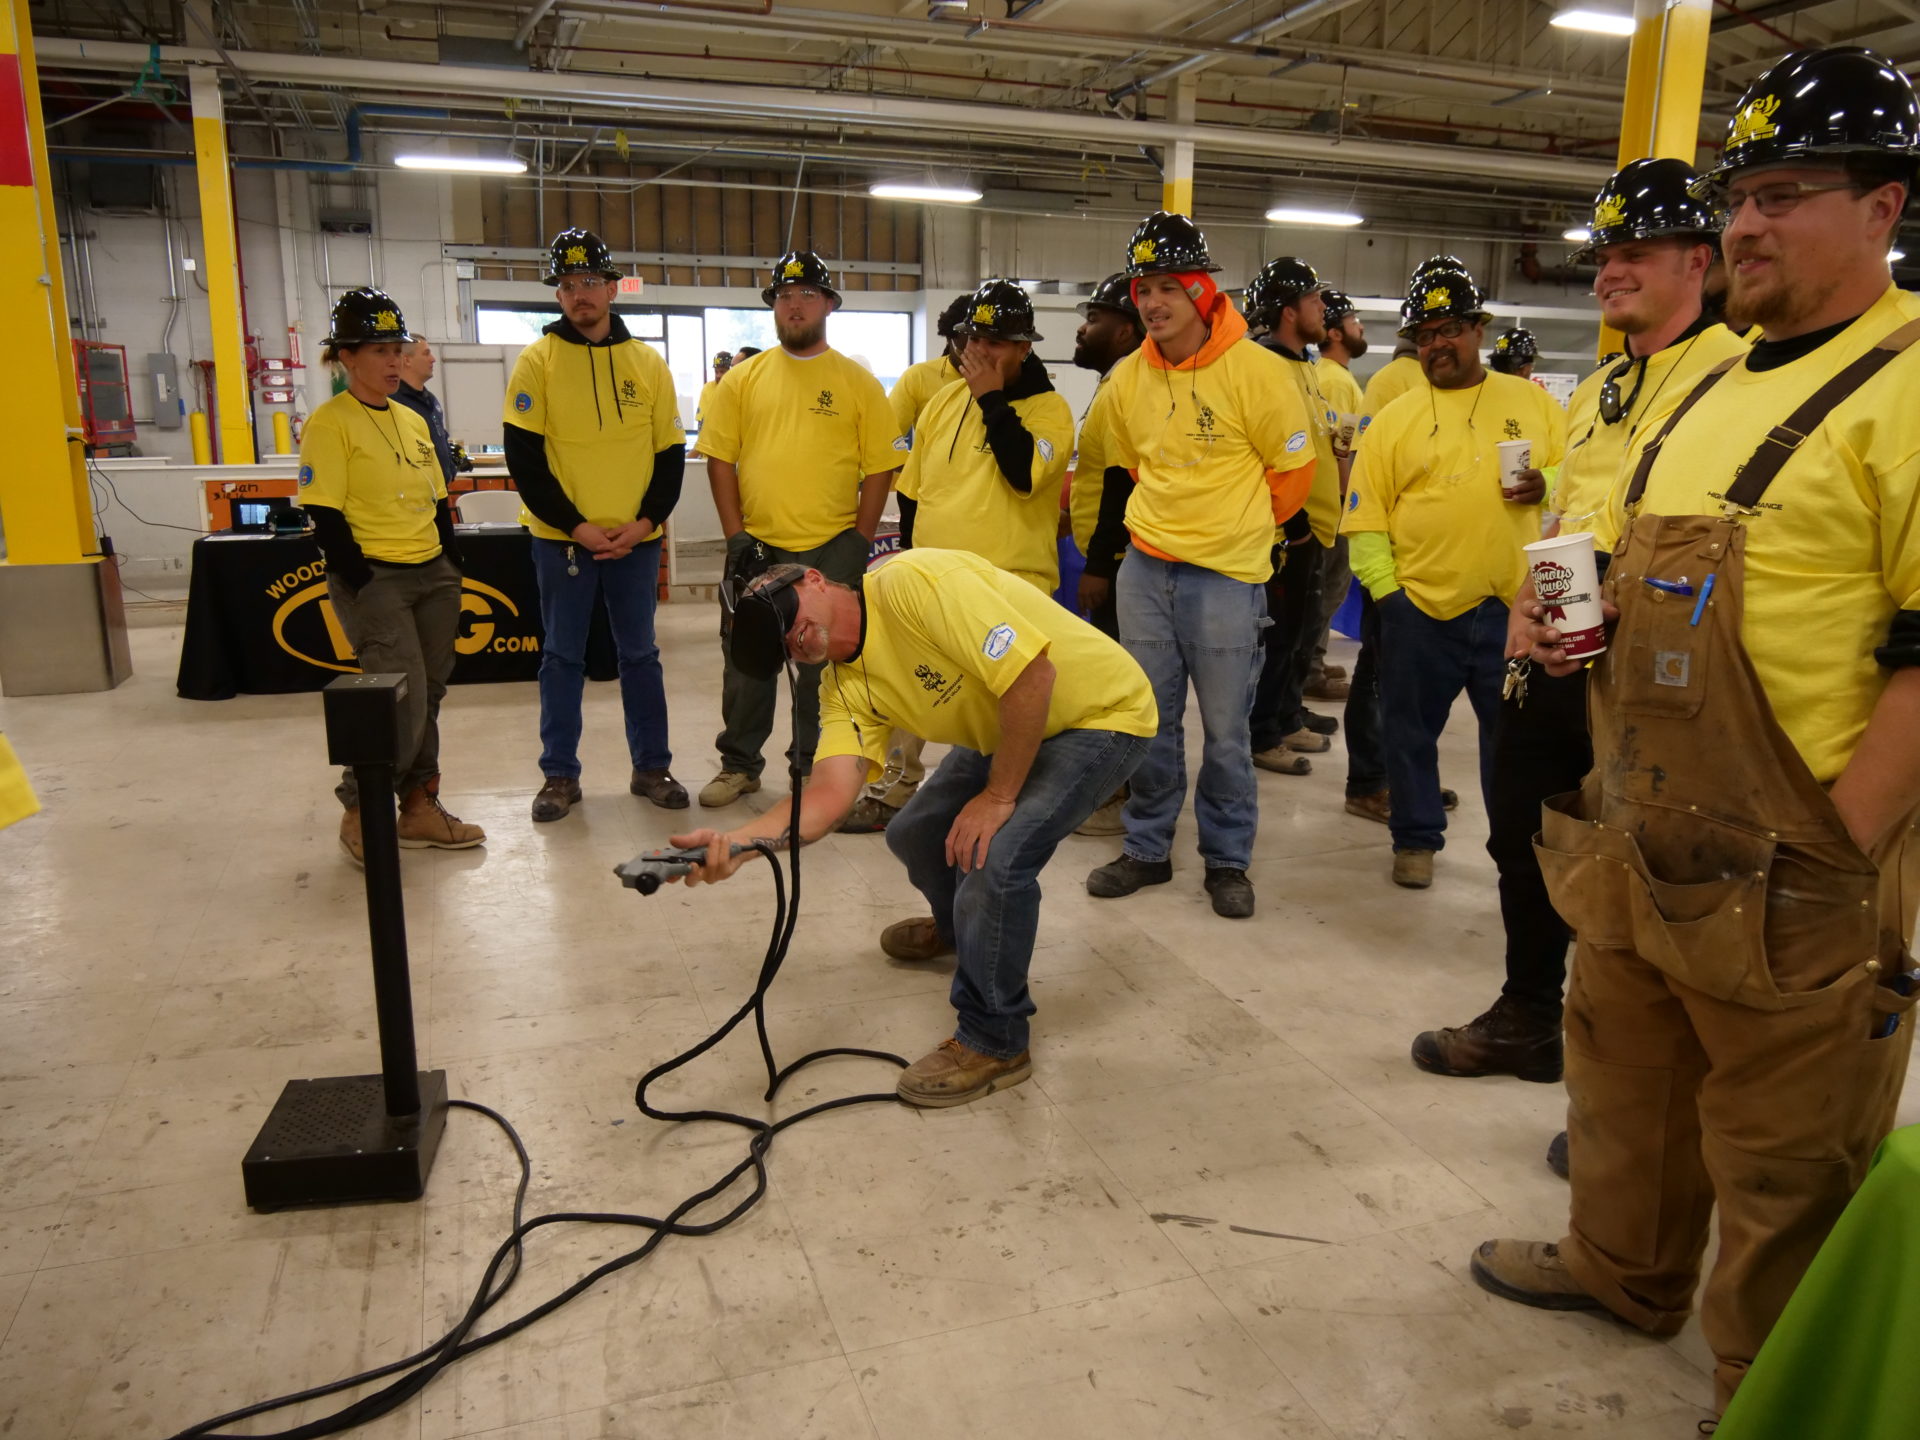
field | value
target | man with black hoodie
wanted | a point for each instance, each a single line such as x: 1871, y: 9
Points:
x: 595, y: 445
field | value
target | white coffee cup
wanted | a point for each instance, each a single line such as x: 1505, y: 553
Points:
x: 1567, y: 582
x: 1347, y: 431
x: 1515, y: 456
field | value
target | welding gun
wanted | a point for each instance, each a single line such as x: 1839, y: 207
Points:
x: 650, y: 869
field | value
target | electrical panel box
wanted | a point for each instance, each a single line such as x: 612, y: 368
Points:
x: 163, y: 390
x: 106, y: 400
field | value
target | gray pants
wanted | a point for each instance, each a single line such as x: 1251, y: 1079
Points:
x: 747, y: 704
x: 1336, y: 578
x: 404, y: 622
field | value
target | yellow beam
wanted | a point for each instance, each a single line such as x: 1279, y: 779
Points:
x: 220, y: 258
x: 43, y: 485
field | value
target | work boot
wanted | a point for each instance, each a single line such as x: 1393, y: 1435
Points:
x: 953, y: 1075
x: 1333, y: 672
x: 350, y: 837
x: 1232, y: 892
x: 1508, y: 1039
x: 1109, y: 819
x: 727, y: 787
x: 868, y: 817
x: 1320, y: 724
x: 1529, y: 1272
x: 917, y: 939
x: 660, y: 787
x: 426, y: 825
x: 1307, y: 741
x: 1283, y: 760
x: 1557, y: 1157
x: 558, y: 795
x: 1413, y: 869
x: 1449, y: 799
x: 1126, y: 875
x: 1328, y: 688
x: 1370, y: 807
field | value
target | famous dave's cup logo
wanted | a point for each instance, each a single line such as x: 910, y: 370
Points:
x: 1567, y: 583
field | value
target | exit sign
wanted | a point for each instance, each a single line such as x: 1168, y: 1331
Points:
x: 631, y: 284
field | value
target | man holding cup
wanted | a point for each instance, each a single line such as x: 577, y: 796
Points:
x: 1654, y: 243
x: 1445, y: 491
x: 1739, y: 864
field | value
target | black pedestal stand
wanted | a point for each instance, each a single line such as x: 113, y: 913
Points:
x: 361, y: 1137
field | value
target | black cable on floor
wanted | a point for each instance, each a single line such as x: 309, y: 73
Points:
x: 417, y: 1371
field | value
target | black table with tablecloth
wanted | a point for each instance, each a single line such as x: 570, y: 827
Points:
x: 259, y: 621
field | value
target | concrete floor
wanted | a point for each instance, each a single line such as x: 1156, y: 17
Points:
x: 1226, y: 1204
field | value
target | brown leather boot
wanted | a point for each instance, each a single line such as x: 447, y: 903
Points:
x: 1508, y: 1039
x: 952, y: 1075
x: 426, y: 825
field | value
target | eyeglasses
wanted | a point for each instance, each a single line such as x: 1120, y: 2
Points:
x: 1452, y: 330
x: 1612, y: 408
x: 1781, y: 197
x: 581, y: 285
x: 799, y: 292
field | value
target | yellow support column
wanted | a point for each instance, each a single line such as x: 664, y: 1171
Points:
x: 1176, y: 172
x: 221, y: 260
x: 43, y: 487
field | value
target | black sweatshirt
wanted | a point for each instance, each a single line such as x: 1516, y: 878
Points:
x: 1009, y: 440
x: 349, y: 563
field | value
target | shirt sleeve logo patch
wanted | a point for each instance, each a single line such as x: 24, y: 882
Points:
x: 1296, y: 442
x: 1353, y: 500
x: 306, y: 476
x: 999, y: 640
x: 1045, y: 447
x: 523, y: 402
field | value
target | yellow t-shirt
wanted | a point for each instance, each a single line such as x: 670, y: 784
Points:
x: 1390, y: 382
x: 946, y: 634
x: 1592, y: 484
x: 1455, y: 540
x: 1323, y: 500
x: 378, y: 468
x: 917, y: 385
x: 967, y: 504
x: 17, y: 800
x: 1341, y: 389
x: 706, y: 399
x: 1090, y: 460
x: 803, y: 433
x: 1202, y: 441
x: 605, y: 411
x: 1835, y: 549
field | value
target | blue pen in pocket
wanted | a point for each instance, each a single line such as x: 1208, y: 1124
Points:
x: 1706, y: 592
x: 1904, y: 983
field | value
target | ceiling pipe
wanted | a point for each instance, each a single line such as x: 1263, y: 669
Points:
x: 1292, y: 15
x: 527, y: 26
x: 883, y: 112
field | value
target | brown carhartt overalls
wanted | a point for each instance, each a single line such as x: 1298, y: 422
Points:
x: 1734, y: 950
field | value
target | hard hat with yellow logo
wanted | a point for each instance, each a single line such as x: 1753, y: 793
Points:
x: 1440, y: 292
x: 1168, y: 244
x: 800, y: 267
x: 578, y: 251
x: 1821, y: 106
x: 1648, y: 200
x: 999, y: 310
x: 1282, y: 281
x: 1514, y: 349
x: 366, y: 317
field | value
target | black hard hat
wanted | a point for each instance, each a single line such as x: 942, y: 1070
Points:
x: 1647, y: 200
x: 1113, y: 293
x: 367, y: 316
x: 954, y: 313
x: 1441, y: 293
x: 800, y: 267
x: 578, y: 251
x: 1514, y: 348
x: 1281, y: 281
x: 1000, y: 310
x: 1441, y: 262
x: 1821, y: 105
x: 762, y: 616
x: 1167, y: 244
x: 1339, y: 306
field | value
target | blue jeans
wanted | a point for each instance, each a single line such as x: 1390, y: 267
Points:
x: 1424, y: 665
x: 631, y: 587
x: 1184, y: 622
x: 989, y: 915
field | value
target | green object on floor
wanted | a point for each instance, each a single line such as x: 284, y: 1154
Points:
x: 1845, y: 1358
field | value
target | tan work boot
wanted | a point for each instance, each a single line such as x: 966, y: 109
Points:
x: 426, y: 825
x: 1371, y: 807
x: 727, y: 787
x: 1283, y: 760
x: 1307, y: 741
x: 1529, y: 1272
x: 953, y: 1075
x: 350, y: 837
x: 1413, y: 869
x: 917, y: 939
x: 1109, y: 819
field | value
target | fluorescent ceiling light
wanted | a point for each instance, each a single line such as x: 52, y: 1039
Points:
x: 1287, y: 215
x: 1594, y: 22
x: 1579, y: 235
x: 950, y: 194
x: 466, y: 164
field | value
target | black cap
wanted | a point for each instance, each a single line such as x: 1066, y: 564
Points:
x: 955, y: 312
x: 1440, y: 293
x: 800, y: 267
x: 1281, y: 281
x: 367, y: 316
x: 1168, y: 244
x: 1113, y: 293
x: 1000, y: 310
x: 578, y: 251
x: 1648, y: 200
x: 1514, y: 348
x: 761, y: 619
x: 1821, y: 105
x: 1339, y: 306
